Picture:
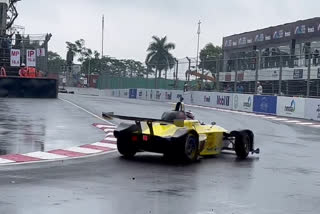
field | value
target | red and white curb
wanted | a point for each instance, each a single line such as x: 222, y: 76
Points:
x: 108, y: 144
x: 268, y: 117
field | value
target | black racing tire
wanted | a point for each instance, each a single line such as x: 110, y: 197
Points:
x: 190, y: 151
x: 125, y: 147
x: 242, y: 145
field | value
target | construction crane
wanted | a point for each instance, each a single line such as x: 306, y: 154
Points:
x: 201, y: 76
x: 8, y: 14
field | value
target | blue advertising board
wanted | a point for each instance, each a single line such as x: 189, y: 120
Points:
x: 133, y: 93
x: 265, y: 104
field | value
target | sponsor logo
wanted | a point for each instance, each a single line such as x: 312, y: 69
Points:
x: 318, y: 111
x: 242, y: 41
x: 234, y: 44
x: 248, y: 103
x: 264, y: 106
x: 275, y: 74
x: 158, y: 95
x: 206, y: 99
x: 228, y: 43
x: 140, y: 93
x: 310, y: 29
x: 236, y: 102
x: 125, y: 93
x: 278, y: 34
x: 259, y: 37
x: 223, y: 100
x: 168, y: 95
x: 290, y: 108
x: 268, y: 37
x: 249, y: 41
x: 300, y: 29
x: 287, y: 34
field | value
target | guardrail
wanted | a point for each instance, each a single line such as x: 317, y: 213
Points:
x: 295, y: 107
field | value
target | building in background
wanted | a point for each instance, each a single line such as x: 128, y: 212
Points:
x: 258, y: 56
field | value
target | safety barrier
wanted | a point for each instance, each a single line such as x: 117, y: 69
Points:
x: 28, y: 87
x: 296, y: 107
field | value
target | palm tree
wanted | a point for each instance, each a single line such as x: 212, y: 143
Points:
x: 159, y: 56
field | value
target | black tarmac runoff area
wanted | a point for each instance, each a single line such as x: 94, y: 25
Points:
x: 283, y: 178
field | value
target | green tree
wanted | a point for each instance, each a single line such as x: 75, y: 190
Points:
x: 159, y: 56
x: 55, y: 62
x: 209, y: 57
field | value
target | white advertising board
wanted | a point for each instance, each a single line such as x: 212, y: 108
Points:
x: 243, y: 102
x: 291, y: 107
x: 15, y: 58
x: 31, y: 58
x: 223, y: 100
x: 312, y: 109
x: 203, y: 98
x: 141, y: 94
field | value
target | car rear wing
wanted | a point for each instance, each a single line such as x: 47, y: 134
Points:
x: 138, y: 120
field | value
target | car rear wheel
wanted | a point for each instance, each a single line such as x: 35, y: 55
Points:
x: 125, y: 147
x: 242, y: 145
x: 191, y: 148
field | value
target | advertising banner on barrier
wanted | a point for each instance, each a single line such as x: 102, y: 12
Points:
x: 243, y: 102
x: 223, y: 100
x: 188, y: 97
x: 312, y: 109
x: 31, y: 58
x: 115, y: 93
x: 124, y: 93
x: 265, y: 104
x: 15, y: 58
x: 139, y: 93
x: 291, y: 107
x: 133, y: 93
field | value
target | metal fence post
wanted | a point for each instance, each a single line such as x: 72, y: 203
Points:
x: 280, y: 75
x: 257, y: 70
x: 218, y: 74
x: 236, y: 75
x: 309, y: 72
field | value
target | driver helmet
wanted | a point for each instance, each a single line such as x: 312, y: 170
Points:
x: 190, y: 115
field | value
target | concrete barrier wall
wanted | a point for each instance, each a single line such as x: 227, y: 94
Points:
x: 306, y: 108
x: 17, y: 87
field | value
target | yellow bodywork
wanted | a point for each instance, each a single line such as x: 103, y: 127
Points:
x: 212, y: 135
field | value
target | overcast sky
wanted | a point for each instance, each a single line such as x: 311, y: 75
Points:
x: 130, y: 24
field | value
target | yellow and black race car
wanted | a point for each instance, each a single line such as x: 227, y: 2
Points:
x: 178, y: 134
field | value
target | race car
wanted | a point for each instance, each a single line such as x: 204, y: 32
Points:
x: 178, y: 134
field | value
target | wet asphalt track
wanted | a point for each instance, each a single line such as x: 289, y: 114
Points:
x: 284, y: 178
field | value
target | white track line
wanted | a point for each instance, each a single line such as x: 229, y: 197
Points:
x: 45, y: 155
x: 83, y: 150
x: 107, y: 145
x: 92, y: 114
x: 315, y: 126
x: 304, y: 123
x: 280, y: 119
x: 292, y: 121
